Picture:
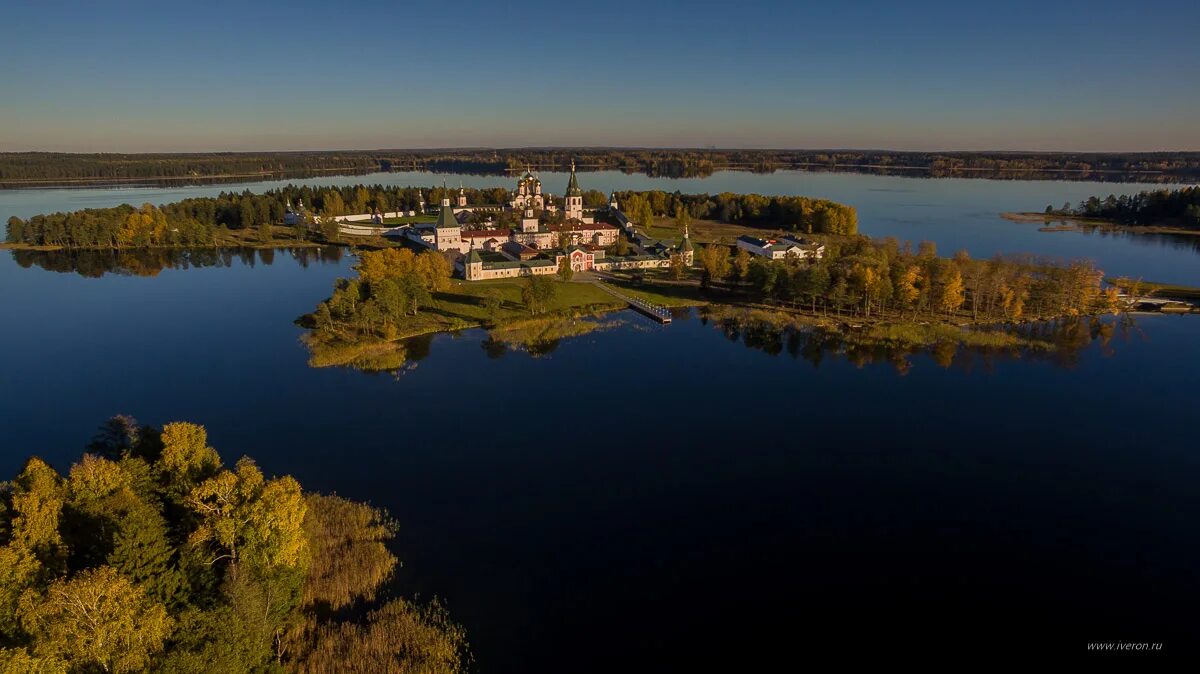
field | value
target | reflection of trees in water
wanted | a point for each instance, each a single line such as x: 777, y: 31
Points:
x: 1175, y: 241
x: 539, y: 336
x: 150, y: 261
x: 418, y: 348
x: 1060, y: 342
x: 493, y: 347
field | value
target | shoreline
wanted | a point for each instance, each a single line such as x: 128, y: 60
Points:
x: 918, y: 331
x: 1076, y: 223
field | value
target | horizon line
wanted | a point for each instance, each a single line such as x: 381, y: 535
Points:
x: 651, y: 148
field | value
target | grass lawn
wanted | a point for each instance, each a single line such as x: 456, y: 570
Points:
x: 409, y: 219
x: 464, y: 299
x: 660, y: 289
x: 1164, y: 290
x: 702, y: 231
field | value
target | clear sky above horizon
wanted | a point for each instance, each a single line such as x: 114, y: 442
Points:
x: 269, y: 75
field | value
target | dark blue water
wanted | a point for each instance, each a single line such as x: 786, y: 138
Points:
x: 955, y: 213
x: 653, y: 498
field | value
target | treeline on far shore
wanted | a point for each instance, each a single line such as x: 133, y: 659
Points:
x: 49, y: 167
x: 1149, y: 208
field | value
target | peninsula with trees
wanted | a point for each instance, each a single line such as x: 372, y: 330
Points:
x: 152, y: 554
x: 1174, y: 211
x: 811, y: 269
x: 527, y: 262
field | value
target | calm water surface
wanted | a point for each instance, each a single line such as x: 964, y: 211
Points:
x: 660, y: 498
x: 653, y: 497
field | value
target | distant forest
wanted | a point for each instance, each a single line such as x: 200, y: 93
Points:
x: 25, y: 168
x: 1170, y: 208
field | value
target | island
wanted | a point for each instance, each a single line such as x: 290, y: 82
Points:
x: 783, y: 261
x: 532, y: 267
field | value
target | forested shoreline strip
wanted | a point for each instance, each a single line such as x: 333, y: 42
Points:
x: 49, y: 167
x: 1177, y: 208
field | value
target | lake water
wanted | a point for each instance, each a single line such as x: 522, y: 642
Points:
x: 650, y: 498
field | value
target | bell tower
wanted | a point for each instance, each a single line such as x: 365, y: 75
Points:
x: 574, y: 199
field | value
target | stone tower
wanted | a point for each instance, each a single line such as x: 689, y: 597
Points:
x: 574, y: 199
x: 472, y: 265
x: 447, y: 231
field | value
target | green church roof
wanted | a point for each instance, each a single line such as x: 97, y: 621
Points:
x: 446, y: 218
x: 573, y: 184
x: 473, y: 257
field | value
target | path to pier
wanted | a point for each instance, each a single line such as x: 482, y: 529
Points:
x: 655, y: 311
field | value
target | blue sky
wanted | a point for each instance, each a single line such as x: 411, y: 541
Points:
x: 266, y: 75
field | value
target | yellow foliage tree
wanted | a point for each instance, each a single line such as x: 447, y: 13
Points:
x: 186, y: 456
x: 244, y: 517
x: 953, y: 292
x: 434, y: 271
x: 94, y: 478
x: 907, y: 290
x: 37, y: 502
x: 96, y: 619
x: 19, y: 569
x: 19, y: 661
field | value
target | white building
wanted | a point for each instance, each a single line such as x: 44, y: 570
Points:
x: 781, y: 248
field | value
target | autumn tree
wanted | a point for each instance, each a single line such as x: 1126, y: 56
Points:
x: 96, y: 618
x: 21, y: 661
x: 714, y: 263
x: 330, y: 229
x: 906, y: 286
x: 246, y: 518
x: 186, y: 459
x: 537, y: 293
x: 679, y: 266
x: 94, y: 574
x: 741, y: 263
x: 682, y: 217
x: 951, y: 295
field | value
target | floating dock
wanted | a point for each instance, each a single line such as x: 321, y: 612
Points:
x: 658, y: 313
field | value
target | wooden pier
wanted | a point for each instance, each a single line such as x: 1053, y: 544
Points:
x: 657, y: 312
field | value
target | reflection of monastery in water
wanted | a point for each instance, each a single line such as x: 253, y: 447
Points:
x: 542, y: 236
